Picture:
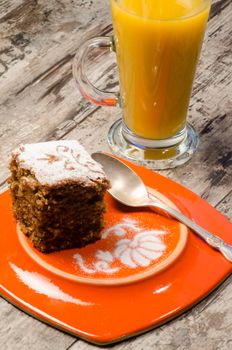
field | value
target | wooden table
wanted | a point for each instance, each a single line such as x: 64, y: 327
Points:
x: 39, y: 101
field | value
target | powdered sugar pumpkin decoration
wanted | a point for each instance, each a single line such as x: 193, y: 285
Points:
x: 141, y: 249
x: 134, y: 245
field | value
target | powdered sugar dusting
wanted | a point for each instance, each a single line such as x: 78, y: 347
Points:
x: 132, y: 247
x: 58, y: 161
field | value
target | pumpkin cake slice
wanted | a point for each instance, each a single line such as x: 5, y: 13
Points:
x: 58, y: 194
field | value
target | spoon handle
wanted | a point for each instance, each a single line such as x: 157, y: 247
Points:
x: 213, y: 240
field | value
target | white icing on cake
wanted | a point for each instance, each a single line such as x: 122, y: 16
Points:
x: 56, y: 162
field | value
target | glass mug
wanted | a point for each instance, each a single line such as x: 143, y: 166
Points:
x: 157, y: 46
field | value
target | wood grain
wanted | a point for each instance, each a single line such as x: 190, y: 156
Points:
x: 39, y: 101
x: 20, y: 331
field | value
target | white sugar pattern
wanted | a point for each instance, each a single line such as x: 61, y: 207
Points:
x: 57, y: 161
x: 138, y: 251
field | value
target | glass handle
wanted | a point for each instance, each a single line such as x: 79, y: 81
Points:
x: 87, y: 89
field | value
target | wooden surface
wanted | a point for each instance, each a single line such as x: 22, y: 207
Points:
x: 39, y: 101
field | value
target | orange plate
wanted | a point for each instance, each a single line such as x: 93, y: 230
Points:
x: 108, y: 313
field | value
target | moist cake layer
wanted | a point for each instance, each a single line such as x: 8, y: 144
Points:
x: 57, y: 211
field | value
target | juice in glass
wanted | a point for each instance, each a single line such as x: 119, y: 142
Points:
x: 157, y: 45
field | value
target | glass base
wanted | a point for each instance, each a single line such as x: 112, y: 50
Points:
x: 165, y: 156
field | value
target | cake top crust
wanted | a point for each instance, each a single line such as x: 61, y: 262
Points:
x: 58, y: 162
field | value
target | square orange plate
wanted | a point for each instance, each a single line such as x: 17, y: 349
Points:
x: 146, y: 269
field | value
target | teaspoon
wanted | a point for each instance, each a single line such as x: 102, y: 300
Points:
x: 128, y: 188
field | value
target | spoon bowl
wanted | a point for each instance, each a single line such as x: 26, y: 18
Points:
x: 126, y: 185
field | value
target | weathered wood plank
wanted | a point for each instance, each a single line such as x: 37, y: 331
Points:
x: 217, y: 7
x: 54, y: 94
x: 39, y: 101
x: 225, y: 206
x: 55, y: 114
x: 46, y: 32
x: 20, y: 331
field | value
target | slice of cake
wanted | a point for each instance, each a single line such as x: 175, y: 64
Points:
x: 58, y: 194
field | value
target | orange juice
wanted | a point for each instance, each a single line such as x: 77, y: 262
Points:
x: 157, y: 44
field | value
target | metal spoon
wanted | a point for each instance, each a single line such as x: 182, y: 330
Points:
x: 128, y: 189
